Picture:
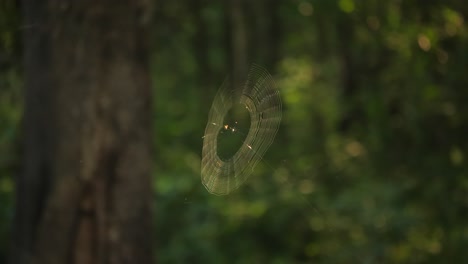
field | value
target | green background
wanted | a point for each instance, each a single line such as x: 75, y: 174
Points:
x: 369, y: 164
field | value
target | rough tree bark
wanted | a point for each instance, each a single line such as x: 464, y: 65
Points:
x: 84, y: 195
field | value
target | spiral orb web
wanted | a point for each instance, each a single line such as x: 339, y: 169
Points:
x: 262, y: 100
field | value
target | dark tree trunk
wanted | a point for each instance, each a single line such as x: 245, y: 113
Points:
x: 201, y: 43
x: 238, y: 41
x: 353, y: 113
x: 265, y: 32
x: 202, y: 46
x: 85, y: 192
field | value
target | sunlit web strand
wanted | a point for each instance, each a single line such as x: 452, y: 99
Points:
x: 322, y: 213
x: 261, y: 98
x: 264, y: 105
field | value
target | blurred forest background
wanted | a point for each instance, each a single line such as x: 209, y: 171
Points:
x: 369, y: 165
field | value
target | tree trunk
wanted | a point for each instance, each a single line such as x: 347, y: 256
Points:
x: 265, y: 32
x: 85, y: 192
x: 238, y: 45
x: 350, y: 89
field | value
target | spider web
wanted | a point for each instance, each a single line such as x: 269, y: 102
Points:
x: 263, y: 102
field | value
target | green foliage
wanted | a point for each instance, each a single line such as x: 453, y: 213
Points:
x: 10, y: 115
x: 370, y: 163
